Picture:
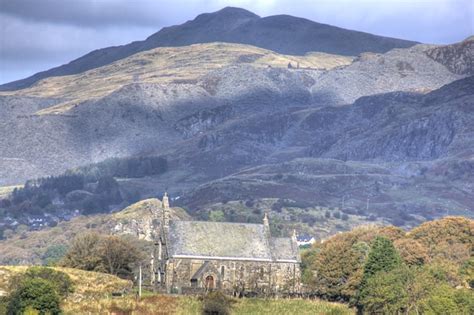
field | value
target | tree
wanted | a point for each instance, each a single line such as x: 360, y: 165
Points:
x: 384, y: 293
x: 447, y: 300
x: 110, y: 254
x: 383, y: 257
x: 37, y: 294
x: 412, y: 252
x: 401, y: 290
x: 82, y: 253
x: 117, y: 256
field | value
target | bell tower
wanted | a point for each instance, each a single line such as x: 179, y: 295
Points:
x: 166, y: 202
x: 166, y: 212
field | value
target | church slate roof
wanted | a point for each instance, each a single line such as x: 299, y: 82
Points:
x: 222, y: 240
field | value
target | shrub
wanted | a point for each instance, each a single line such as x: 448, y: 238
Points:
x: 58, y: 279
x: 216, y: 303
x: 35, y: 294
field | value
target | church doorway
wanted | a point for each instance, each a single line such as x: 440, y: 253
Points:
x: 209, y: 282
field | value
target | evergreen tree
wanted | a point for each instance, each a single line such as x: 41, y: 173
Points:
x: 383, y: 257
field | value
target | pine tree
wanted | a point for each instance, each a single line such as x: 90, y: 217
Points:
x: 383, y: 257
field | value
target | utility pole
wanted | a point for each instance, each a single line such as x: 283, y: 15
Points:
x: 367, y: 203
x: 140, y: 281
x: 343, y: 197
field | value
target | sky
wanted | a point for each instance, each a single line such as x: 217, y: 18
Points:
x: 36, y: 35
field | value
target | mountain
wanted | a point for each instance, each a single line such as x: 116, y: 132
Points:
x: 323, y: 142
x: 192, y: 95
x: 281, y: 33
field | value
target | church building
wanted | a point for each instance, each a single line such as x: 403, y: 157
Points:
x: 237, y: 258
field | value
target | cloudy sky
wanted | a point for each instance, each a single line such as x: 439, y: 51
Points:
x: 36, y: 35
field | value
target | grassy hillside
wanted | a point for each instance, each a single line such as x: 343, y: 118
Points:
x: 166, y: 65
x: 87, y: 285
x: 31, y: 247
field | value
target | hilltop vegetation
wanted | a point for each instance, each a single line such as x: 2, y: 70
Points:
x: 385, y: 269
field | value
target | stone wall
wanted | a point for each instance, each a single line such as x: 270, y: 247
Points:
x: 232, y: 276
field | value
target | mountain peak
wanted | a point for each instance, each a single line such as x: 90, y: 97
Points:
x: 234, y: 11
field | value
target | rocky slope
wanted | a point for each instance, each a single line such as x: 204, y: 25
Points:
x: 181, y: 94
x: 282, y: 33
x: 458, y: 58
x: 396, y: 149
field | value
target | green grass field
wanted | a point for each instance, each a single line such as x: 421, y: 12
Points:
x: 186, y: 305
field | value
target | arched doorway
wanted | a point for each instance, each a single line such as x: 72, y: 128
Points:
x: 209, y: 282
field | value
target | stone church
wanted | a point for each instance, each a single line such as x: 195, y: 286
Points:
x: 237, y: 258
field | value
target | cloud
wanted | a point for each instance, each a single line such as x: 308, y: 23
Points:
x: 37, y: 35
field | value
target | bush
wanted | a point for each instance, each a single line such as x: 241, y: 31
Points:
x: 59, y: 280
x: 216, y: 303
x: 35, y: 294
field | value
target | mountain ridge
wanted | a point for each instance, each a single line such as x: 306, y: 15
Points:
x: 246, y: 28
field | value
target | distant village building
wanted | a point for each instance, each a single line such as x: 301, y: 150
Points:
x: 305, y: 240
x: 238, y: 258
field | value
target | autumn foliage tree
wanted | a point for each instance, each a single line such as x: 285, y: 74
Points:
x: 375, y: 266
